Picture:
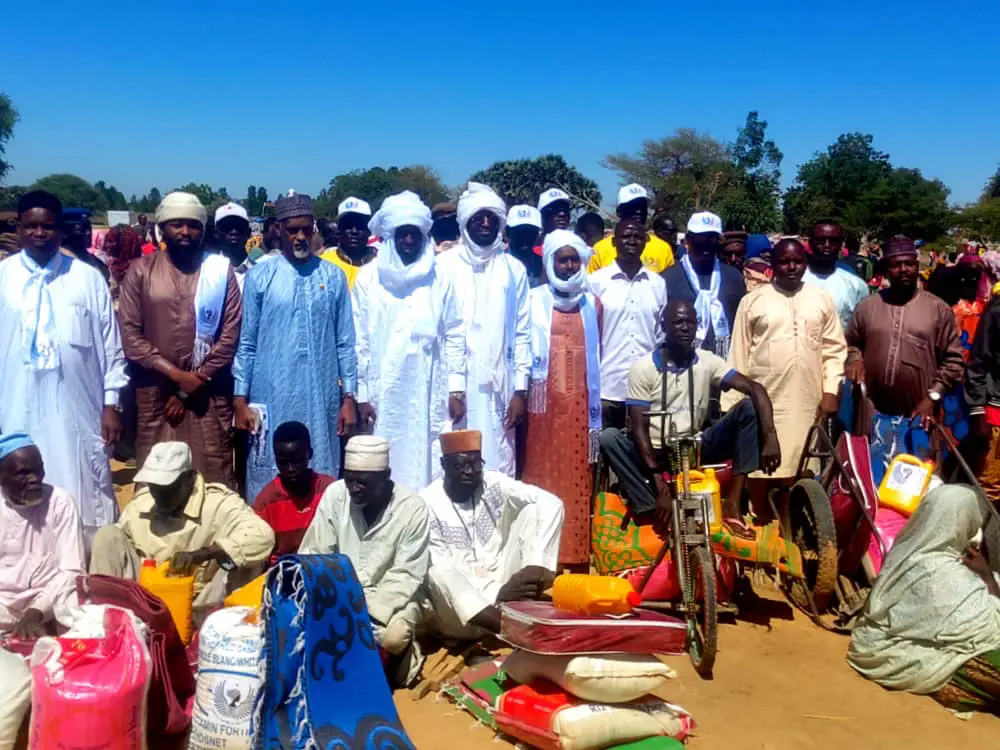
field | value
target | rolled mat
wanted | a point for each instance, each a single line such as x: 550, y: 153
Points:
x: 322, y: 682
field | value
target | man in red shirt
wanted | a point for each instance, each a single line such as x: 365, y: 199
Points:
x: 288, y: 503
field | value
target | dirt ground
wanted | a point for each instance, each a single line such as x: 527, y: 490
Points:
x: 780, y: 683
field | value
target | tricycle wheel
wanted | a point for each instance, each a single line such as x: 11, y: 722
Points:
x: 813, y: 532
x: 703, y: 627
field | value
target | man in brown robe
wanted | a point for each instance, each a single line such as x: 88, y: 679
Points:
x: 180, y: 314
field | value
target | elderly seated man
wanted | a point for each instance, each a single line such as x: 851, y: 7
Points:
x: 493, y: 540
x: 382, y: 527
x: 677, y: 379
x: 42, y: 551
x: 199, y: 527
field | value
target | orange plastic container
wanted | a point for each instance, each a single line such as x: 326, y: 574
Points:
x: 250, y: 595
x: 905, y: 483
x: 704, y: 483
x: 594, y: 595
x: 177, y: 592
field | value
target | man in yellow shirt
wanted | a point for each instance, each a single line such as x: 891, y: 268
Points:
x: 633, y: 203
x: 353, y: 250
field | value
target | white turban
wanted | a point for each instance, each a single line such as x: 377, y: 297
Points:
x: 366, y: 453
x: 572, y: 289
x: 478, y: 197
x: 402, y: 210
x: 178, y: 205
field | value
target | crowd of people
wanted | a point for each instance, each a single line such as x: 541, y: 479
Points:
x: 426, y: 390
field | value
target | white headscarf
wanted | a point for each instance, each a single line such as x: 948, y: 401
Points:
x: 478, y: 197
x: 571, y: 291
x: 402, y: 210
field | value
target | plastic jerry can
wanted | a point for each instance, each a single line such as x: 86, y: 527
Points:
x: 594, y: 595
x: 905, y: 483
x: 250, y: 595
x: 177, y: 592
x: 704, y: 484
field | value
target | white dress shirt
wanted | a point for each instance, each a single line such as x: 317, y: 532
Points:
x: 630, y: 323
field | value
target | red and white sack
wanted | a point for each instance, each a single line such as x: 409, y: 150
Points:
x: 91, y: 692
x: 229, y: 650
x: 599, y: 678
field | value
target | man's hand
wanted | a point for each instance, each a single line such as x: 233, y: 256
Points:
x: 111, y: 426
x: 347, y: 420
x: 456, y: 407
x: 189, y: 382
x: 31, y: 625
x: 527, y: 584
x: 488, y: 619
x: 184, y: 563
x: 173, y: 410
x: 828, y: 405
x: 663, y: 514
x: 925, y: 411
x: 770, y: 453
x: 9, y: 243
x: 855, y: 371
x: 244, y: 417
x: 515, y: 411
x: 366, y: 415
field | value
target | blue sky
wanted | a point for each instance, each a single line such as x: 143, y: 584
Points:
x: 291, y: 94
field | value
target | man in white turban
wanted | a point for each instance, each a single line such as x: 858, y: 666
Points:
x: 384, y: 529
x: 492, y: 289
x: 410, y: 342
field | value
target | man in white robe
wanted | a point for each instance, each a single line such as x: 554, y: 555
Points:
x: 492, y: 289
x: 382, y: 527
x: 61, y: 361
x: 410, y: 342
x: 492, y: 540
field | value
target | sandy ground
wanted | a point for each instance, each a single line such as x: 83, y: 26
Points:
x: 780, y: 683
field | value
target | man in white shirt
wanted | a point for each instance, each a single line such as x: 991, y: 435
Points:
x: 492, y: 540
x: 826, y: 241
x: 383, y: 528
x: 632, y: 297
x: 61, y: 360
x: 232, y: 230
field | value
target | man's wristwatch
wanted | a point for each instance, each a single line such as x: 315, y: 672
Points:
x: 934, y: 395
x: 350, y: 396
x: 460, y: 395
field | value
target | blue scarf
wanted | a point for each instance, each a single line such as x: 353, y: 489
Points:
x: 322, y: 682
x: 708, y: 306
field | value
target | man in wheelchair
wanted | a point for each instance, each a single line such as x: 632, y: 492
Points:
x: 676, y: 381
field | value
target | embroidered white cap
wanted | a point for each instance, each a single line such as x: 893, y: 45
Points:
x: 704, y: 222
x: 366, y: 453
x: 524, y: 215
x: 231, y: 210
x: 631, y: 193
x: 165, y: 463
x: 353, y: 205
x: 550, y: 196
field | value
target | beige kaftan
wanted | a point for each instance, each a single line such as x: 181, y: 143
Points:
x: 793, y: 345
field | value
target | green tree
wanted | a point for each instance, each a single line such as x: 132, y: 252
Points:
x: 992, y: 189
x: 114, y: 198
x: 73, y: 191
x: 8, y: 119
x: 210, y: 199
x: 687, y: 171
x: 523, y: 180
x: 376, y: 184
x: 750, y: 199
x: 255, y: 200
x: 10, y: 195
x: 981, y: 221
x: 147, y: 204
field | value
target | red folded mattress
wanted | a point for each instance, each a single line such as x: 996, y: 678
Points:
x: 541, y: 628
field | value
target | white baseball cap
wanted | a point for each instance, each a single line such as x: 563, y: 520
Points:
x: 230, y: 210
x: 524, y: 215
x: 704, y: 222
x: 353, y: 205
x: 550, y: 196
x: 165, y: 463
x: 631, y: 193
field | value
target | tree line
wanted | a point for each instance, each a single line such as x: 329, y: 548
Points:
x: 851, y: 182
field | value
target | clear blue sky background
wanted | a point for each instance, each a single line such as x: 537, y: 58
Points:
x: 291, y: 94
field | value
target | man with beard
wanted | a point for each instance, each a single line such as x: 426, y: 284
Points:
x: 62, y: 365
x: 633, y: 205
x: 410, y: 342
x: 826, y: 240
x: 296, y: 360
x: 180, y: 313
x: 232, y: 230
x: 492, y: 295
x: 352, y: 250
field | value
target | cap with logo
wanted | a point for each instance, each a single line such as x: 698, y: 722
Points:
x: 631, y: 193
x: 353, y: 205
x: 704, y: 222
x: 231, y: 210
x: 550, y: 196
x: 523, y: 215
x: 165, y: 463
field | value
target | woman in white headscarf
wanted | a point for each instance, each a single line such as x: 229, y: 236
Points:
x: 410, y: 343
x: 932, y: 622
x: 564, y: 399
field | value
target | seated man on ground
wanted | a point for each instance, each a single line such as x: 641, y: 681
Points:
x: 289, y: 502
x: 382, y: 528
x: 493, y: 540
x: 932, y: 622
x: 677, y: 379
x: 201, y: 528
x: 42, y: 552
